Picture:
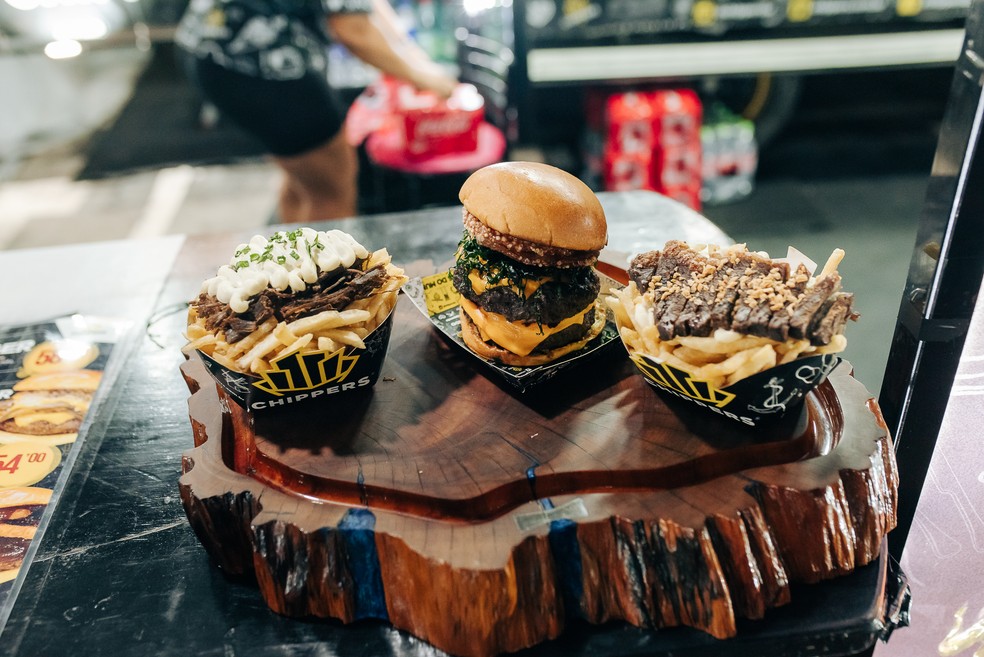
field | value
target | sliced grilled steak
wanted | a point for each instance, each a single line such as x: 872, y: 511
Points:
x: 713, y: 306
x: 696, y: 294
x: 802, y: 312
x: 831, y: 318
x: 779, y: 324
x: 643, y: 268
x: 679, y: 268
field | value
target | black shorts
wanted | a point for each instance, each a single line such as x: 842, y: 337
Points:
x: 289, y: 117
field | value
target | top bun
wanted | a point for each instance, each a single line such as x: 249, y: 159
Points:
x: 85, y: 380
x: 538, y: 203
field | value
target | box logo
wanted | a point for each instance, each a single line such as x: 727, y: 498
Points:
x: 306, y: 371
x: 679, y: 381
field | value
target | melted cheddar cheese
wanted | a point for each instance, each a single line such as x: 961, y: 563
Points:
x: 51, y: 417
x: 521, y: 338
x: 480, y: 285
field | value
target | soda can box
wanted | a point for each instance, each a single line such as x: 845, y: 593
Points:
x: 306, y: 378
x: 628, y: 171
x: 629, y: 117
x: 432, y: 126
x: 754, y: 401
x: 436, y: 298
x: 677, y: 116
x: 729, y: 157
x: 372, y: 110
x: 653, y: 142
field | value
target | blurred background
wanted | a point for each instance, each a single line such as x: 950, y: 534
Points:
x: 787, y: 122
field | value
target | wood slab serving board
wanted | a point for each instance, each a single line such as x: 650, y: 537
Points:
x: 483, y: 520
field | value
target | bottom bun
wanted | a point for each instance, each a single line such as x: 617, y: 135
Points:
x: 473, y: 339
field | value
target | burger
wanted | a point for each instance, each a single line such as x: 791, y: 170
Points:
x: 21, y: 509
x: 524, y: 268
x: 49, y: 407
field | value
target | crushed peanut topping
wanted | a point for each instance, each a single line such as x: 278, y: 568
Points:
x: 719, y: 270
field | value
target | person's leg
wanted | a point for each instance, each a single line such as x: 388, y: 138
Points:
x: 300, y: 123
x: 319, y: 184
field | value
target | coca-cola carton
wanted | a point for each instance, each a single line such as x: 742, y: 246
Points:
x: 630, y: 122
x: 432, y: 126
x: 372, y: 110
x: 677, y: 173
x: 653, y: 142
x: 629, y: 142
x: 628, y: 171
x: 677, y: 117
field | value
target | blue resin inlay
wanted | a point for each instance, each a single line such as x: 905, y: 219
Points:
x: 357, y: 531
x: 564, y: 548
x: 566, y: 553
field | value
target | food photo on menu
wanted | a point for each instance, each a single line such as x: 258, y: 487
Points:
x: 50, y: 373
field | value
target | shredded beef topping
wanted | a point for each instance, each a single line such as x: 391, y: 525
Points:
x: 695, y: 294
x: 529, y: 253
x: 332, y: 291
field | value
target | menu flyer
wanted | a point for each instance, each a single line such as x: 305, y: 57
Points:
x: 49, y: 374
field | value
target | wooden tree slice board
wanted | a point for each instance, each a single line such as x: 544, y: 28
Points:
x: 482, y: 520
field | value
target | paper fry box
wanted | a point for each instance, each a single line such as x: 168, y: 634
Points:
x: 307, y: 378
x: 754, y: 401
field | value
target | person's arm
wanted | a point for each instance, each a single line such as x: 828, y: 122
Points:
x: 375, y: 39
x: 386, y: 19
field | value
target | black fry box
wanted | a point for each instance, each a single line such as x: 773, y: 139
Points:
x: 306, y: 378
x: 757, y: 400
x: 437, y: 299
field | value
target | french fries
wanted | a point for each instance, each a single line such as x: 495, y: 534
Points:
x: 328, y: 330
x: 721, y: 359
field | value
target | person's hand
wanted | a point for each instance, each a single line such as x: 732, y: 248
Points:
x: 431, y: 77
x: 375, y: 40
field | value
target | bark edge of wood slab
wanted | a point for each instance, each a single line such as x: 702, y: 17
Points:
x: 725, y: 543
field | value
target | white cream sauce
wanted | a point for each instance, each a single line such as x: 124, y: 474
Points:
x: 286, y: 260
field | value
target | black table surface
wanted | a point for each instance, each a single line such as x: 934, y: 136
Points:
x: 120, y: 572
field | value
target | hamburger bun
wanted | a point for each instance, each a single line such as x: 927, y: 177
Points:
x: 83, y: 380
x: 538, y: 203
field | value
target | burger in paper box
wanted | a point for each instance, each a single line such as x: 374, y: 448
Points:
x: 48, y: 408
x: 736, y: 332
x: 525, y: 264
x: 300, y: 316
x: 21, y: 510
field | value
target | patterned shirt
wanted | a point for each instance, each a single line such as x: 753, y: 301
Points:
x: 269, y: 39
